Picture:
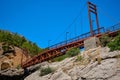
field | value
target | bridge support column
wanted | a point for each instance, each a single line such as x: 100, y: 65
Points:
x: 92, y: 9
x: 91, y: 42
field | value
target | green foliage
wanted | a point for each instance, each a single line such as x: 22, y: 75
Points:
x: 115, y: 44
x: 105, y: 39
x: 45, y: 71
x: 73, y: 52
x: 60, y: 58
x: 5, y: 48
x: 18, y: 67
x: 16, y: 40
x: 31, y: 47
x: 79, y: 58
x: 70, y: 53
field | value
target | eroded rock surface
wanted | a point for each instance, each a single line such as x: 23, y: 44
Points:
x: 105, y: 68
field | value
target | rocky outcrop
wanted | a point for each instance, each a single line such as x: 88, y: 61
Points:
x: 105, y: 68
x: 12, y: 74
x: 11, y: 56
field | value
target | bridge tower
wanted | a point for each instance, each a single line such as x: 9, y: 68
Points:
x: 92, y: 9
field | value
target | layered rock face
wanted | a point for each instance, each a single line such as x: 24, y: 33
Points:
x: 96, y: 64
x: 11, y: 57
x: 12, y: 74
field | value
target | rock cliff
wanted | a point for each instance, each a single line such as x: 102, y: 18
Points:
x: 95, y: 64
x: 11, y: 56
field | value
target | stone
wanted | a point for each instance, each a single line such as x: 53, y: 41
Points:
x: 113, y: 54
x: 6, y: 64
x: 87, y: 69
x: 69, y: 69
x: 35, y: 76
x: 116, y: 76
x: 91, y: 42
x: 12, y: 72
x: 60, y: 75
x: 75, y: 72
x: 105, y: 70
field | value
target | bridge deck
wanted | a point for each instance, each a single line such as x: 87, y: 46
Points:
x: 62, y: 47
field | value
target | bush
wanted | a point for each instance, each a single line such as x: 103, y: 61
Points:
x: 73, y: 52
x: 5, y: 48
x: 45, y: 71
x: 60, y: 58
x: 18, y: 67
x: 79, y: 58
x: 105, y: 39
x: 115, y: 44
x: 70, y: 53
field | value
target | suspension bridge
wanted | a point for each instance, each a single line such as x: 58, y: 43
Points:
x: 78, y: 41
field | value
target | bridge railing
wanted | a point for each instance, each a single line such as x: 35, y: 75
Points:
x: 82, y: 36
x: 86, y: 35
x: 113, y: 28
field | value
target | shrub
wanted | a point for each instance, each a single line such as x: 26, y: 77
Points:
x: 79, y: 58
x: 18, y: 67
x: 73, y: 52
x: 5, y: 48
x: 115, y: 44
x: 45, y: 71
x: 60, y: 58
x: 105, y: 39
x: 70, y: 53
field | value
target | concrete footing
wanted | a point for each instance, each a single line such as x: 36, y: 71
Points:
x: 91, y: 42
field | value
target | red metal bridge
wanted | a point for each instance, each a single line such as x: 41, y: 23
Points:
x: 61, y: 48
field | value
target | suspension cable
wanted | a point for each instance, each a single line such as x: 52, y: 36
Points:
x: 69, y: 26
x: 107, y: 15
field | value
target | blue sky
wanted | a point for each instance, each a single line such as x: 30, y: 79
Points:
x: 43, y: 20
